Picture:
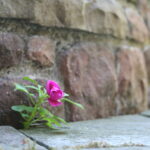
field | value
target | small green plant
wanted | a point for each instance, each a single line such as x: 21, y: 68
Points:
x: 36, y: 113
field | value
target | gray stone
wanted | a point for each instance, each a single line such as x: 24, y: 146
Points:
x: 121, y: 148
x: 105, y: 17
x: 99, y: 16
x: 146, y: 113
x: 16, y: 9
x: 11, y: 139
x: 116, y: 132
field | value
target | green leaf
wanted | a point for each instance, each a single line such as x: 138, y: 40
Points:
x: 50, y: 125
x: 25, y: 116
x: 60, y: 119
x: 21, y: 108
x: 74, y: 103
x: 45, y: 113
x: 30, y: 80
x: 21, y: 88
x: 52, y: 121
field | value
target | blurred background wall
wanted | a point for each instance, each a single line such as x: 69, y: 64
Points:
x: 97, y: 50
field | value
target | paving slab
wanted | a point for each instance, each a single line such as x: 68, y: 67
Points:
x: 11, y: 139
x: 146, y: 113
x: 120, y: 148
x: 131, y: 132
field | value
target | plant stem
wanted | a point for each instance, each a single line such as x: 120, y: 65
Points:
x: 33, y: 114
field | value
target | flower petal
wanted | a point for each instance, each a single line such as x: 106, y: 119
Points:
x: 50, y: 84
x: 54, y: 103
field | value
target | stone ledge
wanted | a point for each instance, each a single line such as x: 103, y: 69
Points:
x: 11, y: 139
x: 123, y: 133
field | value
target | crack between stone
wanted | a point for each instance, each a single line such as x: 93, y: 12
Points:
x: 37, y: 142
x: 143, y: 115
x: 28, y: 26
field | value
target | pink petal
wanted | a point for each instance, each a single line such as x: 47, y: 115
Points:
x: 54, y: 103
x: 56, y: 94
x: 50, y: 84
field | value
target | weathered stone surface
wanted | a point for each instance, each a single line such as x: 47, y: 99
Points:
x: 144, y: 8
x: 11, y: 139
x: 105, y: 17
x: 146, y: 113
x: 49, y: 13
x: 97, y: 16
x: 89, y: 77
x: 138, y: 30
x: 132, y: 78
x: 125, y: 148
x: 16, y: 9
x: 11, y: 49
x: 117, y: 133
x: 147, y: 60
x: 41, y: 50
x: 8, y: 98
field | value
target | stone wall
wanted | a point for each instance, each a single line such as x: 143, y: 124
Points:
x: 93, y: 48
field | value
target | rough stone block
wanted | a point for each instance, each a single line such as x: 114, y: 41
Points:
x: 41, y: 50
x: 11, y: 49
x: 105, y: 17
x: 132, y: 79
x: 99, y: 16
x: 16, y: 9
x: 147, y: 60
x: 89, y: 77
x: 8, y: 98
x: 137, y: 28
x: 144, y: 8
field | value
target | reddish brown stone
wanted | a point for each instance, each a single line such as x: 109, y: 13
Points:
x: 132, y: 78
x: 147, y: 60
x: 41, y: 50
x: 8, y: 98
x: 11, y: 49
x: 138, y: 30
x: 89, y: 77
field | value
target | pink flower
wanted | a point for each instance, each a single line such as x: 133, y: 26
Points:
x: 55, y: 93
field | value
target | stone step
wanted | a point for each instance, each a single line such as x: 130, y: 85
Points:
x: 11, y: 139
x: 146, y: 113
x: 130, y: 132
x: 116, y: 133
